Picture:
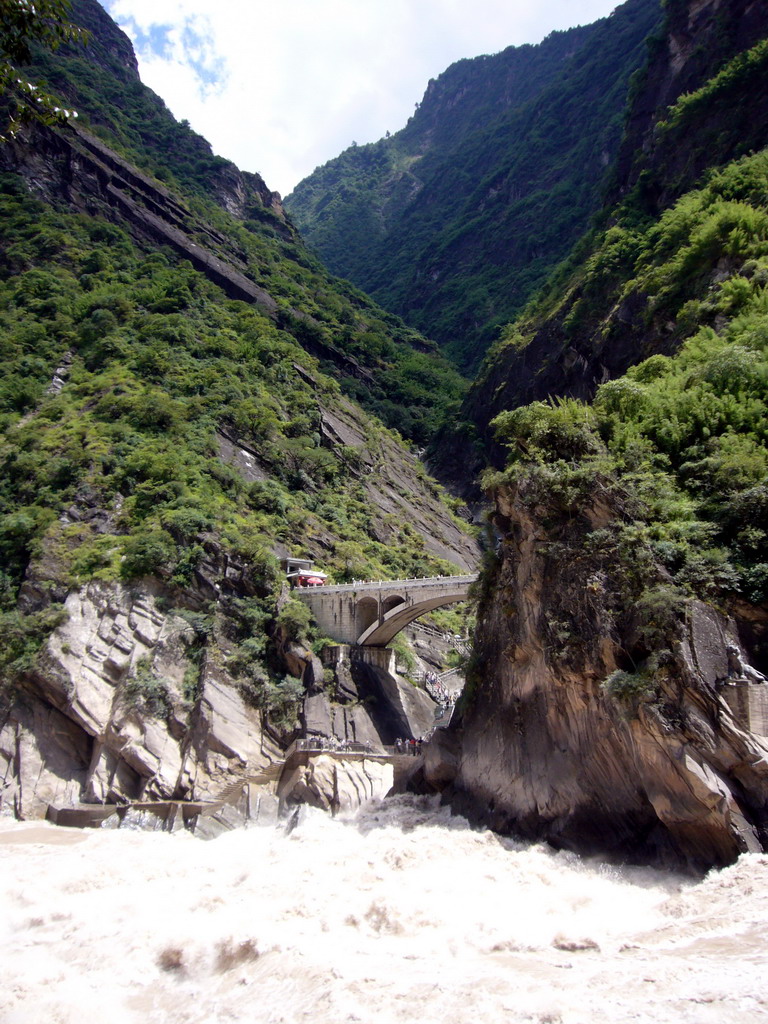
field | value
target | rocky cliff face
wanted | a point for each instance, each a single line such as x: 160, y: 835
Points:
x: 395, y: 489
x: 700, y: 37
x: 124, y: 704
x: 573, y: 734
x: 336, y: 785
x: 77, y: 730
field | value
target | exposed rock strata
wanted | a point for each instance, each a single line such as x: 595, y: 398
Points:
x: 547, y: 753
x: 76, y: 167
x: 71, y: 735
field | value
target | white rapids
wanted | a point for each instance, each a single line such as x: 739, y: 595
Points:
x: 403, y: 914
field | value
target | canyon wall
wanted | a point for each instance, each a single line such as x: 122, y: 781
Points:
x: 576, y: 731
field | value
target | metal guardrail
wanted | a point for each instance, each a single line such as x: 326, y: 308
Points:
x: 325, y: 745
x: 321, y: 745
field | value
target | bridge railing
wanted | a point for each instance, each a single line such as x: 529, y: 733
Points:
x: 419, y: 581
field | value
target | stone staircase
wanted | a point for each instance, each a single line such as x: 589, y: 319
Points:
x: 269, y: 774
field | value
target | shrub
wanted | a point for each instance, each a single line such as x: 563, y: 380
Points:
x: 147, y: 554
x: 561, y: 429
x: 295, y: 619
x: 405, y: 659
x: 21, y: 638
x: 629, y: 687
x: 279, y: 698
x: 147, y: 693
x: 660, y: 611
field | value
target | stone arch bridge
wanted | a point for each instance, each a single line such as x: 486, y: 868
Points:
x: 371, y: 614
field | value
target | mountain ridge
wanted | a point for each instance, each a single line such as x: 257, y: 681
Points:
x: 480, y: 219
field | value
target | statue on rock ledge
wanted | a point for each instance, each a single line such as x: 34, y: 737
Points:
x: 738, y: 670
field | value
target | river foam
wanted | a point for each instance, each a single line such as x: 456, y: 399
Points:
x: 403, y: 914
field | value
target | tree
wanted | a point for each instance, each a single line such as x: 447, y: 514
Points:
x: 22, y: 24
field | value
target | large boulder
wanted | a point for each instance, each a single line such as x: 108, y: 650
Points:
x: 338, y: 785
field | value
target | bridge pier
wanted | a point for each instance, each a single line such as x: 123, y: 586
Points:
x: 370, y: 700
x: 379, y: 657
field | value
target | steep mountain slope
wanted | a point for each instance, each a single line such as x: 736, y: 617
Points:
x: 453, y: 221
x: 640, y: 285
x: 350, y: 204
x: 228, y: 223
x: 173, y: 422
x: 727, y: 119
x: 628, y: 594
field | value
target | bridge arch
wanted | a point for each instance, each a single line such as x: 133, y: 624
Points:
x: 385, y: 629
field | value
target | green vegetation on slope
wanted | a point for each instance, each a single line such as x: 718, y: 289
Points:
x: 641, y: 282
x: 153, y: 429
x: 159, y: 361
x: 665, y: 265
x: 680, y: 442
x: 118, y: 468
x: 404, y: 380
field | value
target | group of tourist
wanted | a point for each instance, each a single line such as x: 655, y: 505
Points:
x: 333, y: 744
x: 437, y: 689
x: 411, y: 746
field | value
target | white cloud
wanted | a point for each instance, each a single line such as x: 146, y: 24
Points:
x: 281, y: 88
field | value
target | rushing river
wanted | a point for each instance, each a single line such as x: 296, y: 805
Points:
x: 404, y: 914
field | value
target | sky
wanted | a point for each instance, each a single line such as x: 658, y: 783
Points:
x: 281, y: 87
